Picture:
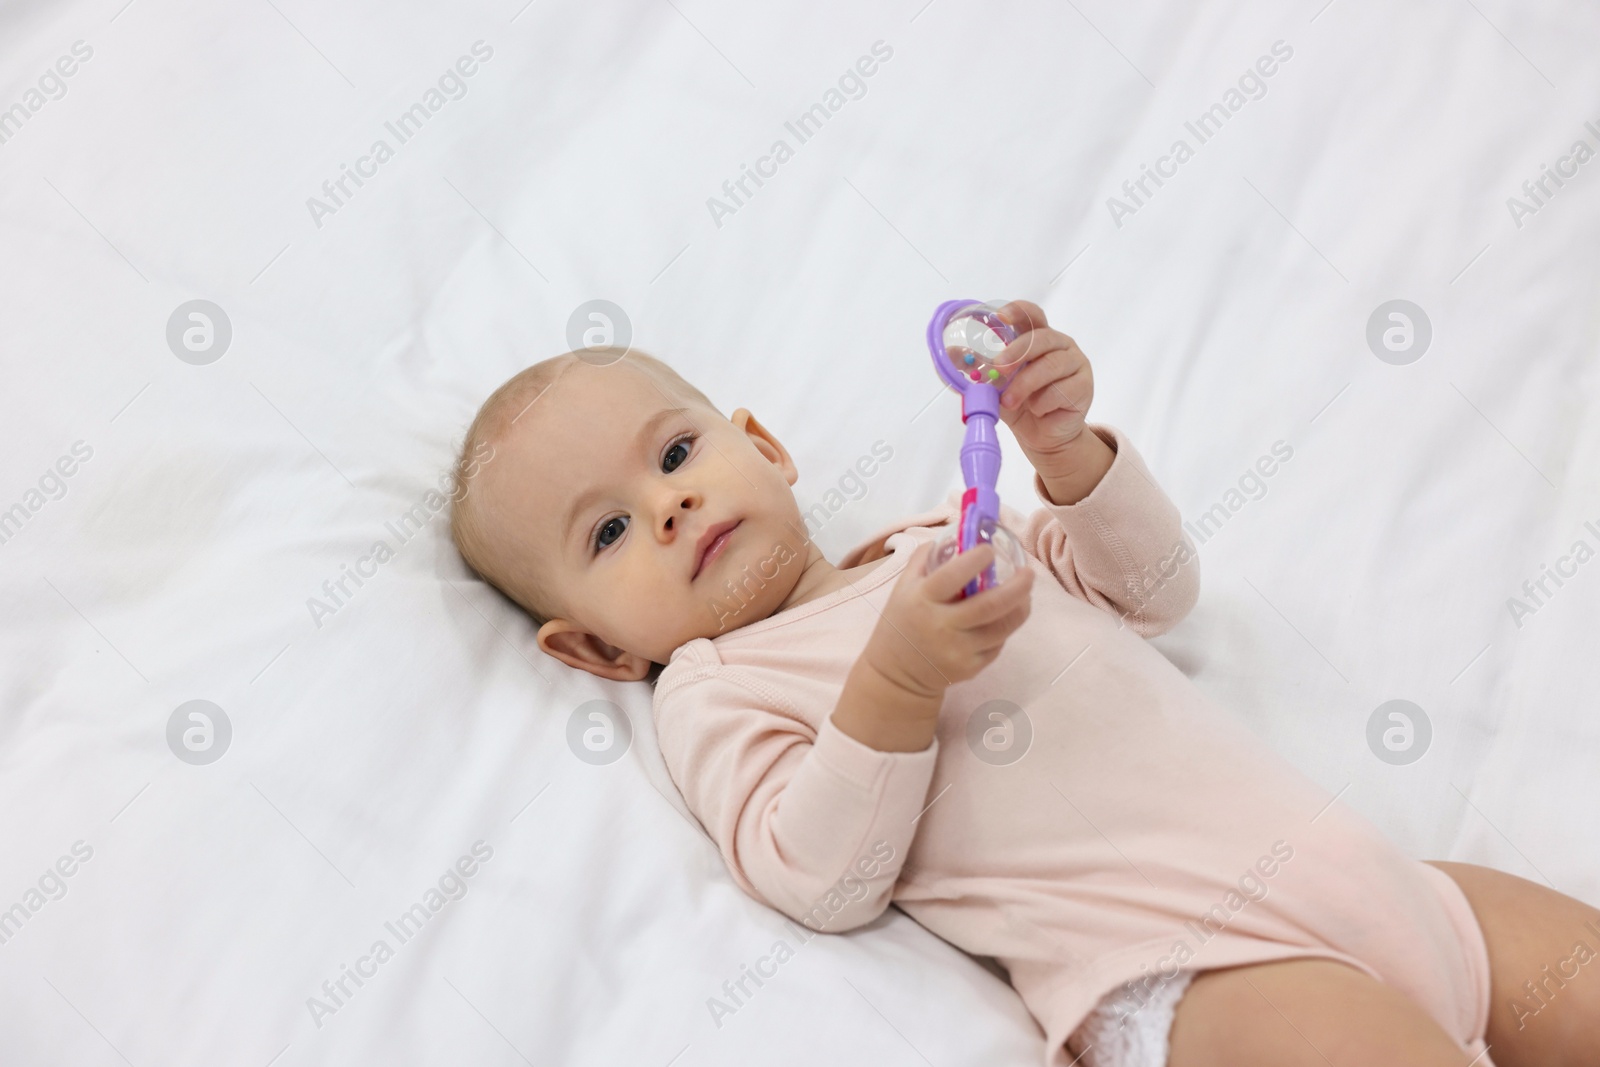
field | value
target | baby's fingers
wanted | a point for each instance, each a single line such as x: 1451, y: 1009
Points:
x: 951, y: 577
x: 1033, y: 346
x: 1024, y: 315
x: 995, y: 603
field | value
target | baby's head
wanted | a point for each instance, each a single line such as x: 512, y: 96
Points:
x: 592, y: 484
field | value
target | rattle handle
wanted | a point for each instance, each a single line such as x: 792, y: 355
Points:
x: 980, y: 460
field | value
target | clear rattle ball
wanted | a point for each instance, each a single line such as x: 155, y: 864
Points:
x: 1008, y: 555
x: 974, y: 338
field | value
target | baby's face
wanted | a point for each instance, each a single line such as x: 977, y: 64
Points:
x: 618, y: 489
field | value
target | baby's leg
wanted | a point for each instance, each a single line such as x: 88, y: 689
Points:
x: 1304, y: 1013
x: 1544, y: 969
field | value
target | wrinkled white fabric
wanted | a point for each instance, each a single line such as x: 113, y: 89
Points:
x: 1131, y: 1024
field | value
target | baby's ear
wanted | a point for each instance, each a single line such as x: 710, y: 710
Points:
x: 766, y: 443
x: 578, y: 648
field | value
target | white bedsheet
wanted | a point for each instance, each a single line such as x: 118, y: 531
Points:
x: 1225, y: 312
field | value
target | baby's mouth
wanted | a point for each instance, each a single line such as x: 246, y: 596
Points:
x: 712, y: 544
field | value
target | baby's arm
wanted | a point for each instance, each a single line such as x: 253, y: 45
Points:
x: 811, y: 822
x: 818, y: 824
x: 1122, y: 547
x: 1107, y: 531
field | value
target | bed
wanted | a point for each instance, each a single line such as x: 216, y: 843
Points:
x: 245, y: 746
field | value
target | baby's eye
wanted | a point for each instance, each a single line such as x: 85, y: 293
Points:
x: 610, y: 531
x: 676, y: 454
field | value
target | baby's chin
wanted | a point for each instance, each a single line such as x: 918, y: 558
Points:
x: 749, y: 584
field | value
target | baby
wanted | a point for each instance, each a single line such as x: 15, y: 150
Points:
x: 1019, y: 771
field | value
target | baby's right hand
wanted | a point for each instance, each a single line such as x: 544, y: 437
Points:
x: 927, y: 640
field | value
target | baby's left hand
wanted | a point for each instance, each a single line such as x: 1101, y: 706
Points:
x: 1047, y: 402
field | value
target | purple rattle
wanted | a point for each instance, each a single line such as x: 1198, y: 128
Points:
x: 966, y: 339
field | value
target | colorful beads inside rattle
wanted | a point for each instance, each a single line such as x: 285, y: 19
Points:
x: 974, y: 338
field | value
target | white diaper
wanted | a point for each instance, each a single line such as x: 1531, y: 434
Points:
x: 1129, y: 1027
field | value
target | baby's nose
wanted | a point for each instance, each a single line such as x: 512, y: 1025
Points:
x: 686, y: 502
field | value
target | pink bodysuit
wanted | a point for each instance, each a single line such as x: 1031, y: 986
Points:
x: 1085, y: 815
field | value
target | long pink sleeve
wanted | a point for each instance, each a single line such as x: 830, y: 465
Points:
x: 812, y: 822
x: 1121, y: 548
